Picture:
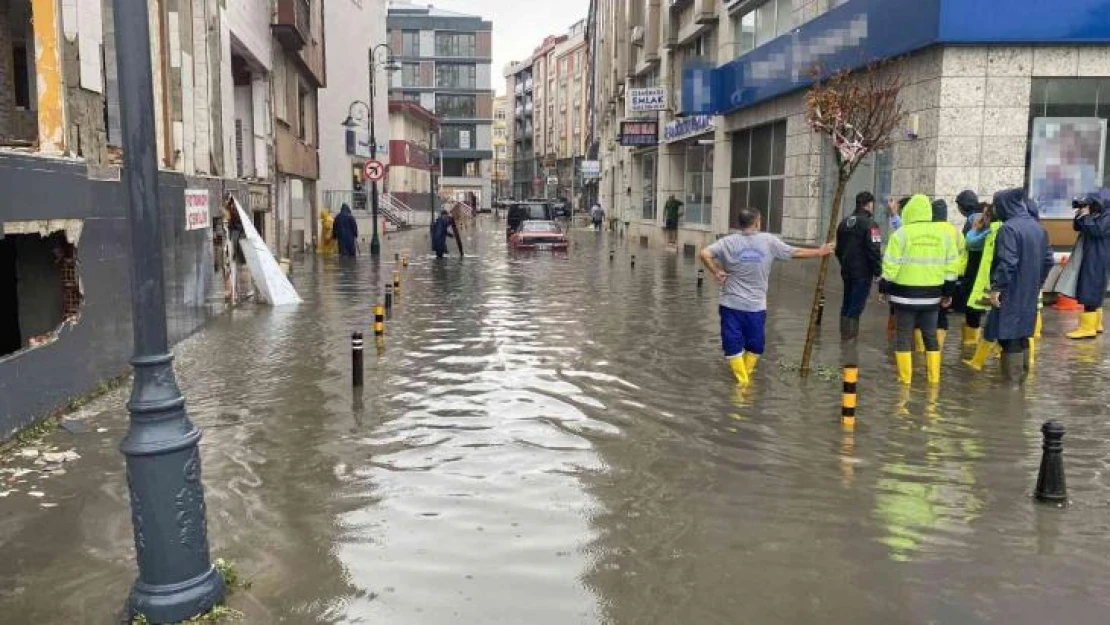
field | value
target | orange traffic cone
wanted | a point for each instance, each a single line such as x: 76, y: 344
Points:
x: 1063, y: 302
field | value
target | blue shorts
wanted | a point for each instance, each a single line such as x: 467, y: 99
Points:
x: 742, y: 331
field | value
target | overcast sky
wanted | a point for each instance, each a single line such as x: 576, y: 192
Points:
x: 518, y: 25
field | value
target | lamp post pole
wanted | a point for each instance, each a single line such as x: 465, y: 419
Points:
x: 176, y: 578
x: 375, y: 243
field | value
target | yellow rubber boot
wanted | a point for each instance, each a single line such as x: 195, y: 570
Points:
x: 918, y: 342
x: 905, y: 366
x: 1099, y: 313
x: 750, y: 360
x: 1040, y: 325
x: 983, y: 351
x: 932, y: 367
x: 1088, y: 326
x: 941, y: 335
x: 970, y: 335
x: 739, y: 369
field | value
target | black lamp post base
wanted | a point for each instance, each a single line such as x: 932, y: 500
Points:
x: 170, y: 603
x: 375, y: 246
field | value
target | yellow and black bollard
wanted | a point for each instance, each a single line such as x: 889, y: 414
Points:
x: 633, y: 261
x: 356, y: 359
x: 610, y: 255
x: 849, y: 399
x: 379, y: 320
x: 405, y: 260
x: 396, y: 282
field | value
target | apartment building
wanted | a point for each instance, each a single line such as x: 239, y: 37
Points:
x: 502, y: 158
x: 525, y: 180
x: 704, y: 99
x: 445, y: 66
x: 412, y: 163
x: 549, y: 133
x: 353, y: 30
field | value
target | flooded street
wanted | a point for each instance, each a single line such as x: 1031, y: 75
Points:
x: 556, y: 440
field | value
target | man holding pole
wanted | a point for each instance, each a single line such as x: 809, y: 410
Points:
x: 742, y: 264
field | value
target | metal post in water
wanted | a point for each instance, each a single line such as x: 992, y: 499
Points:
x: 701, y: 277
x: 379, y: 320
x: 849, y: 399
x: 633, y: 261
x: 396, y: 282
x: 1051, y: 485
x: 356, y: 359
x: 176, y: 578
x: 610, y: 255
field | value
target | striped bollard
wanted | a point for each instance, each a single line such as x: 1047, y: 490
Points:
x: 379, y: 320
x: 849, y: 400
x: 396, y: 283
x: 356, y: 359
x: 633, y: 261
x: 701, y: 277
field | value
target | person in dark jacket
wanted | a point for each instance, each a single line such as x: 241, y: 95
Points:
x: 1092, y: 222
x: 442, y: 228
x: 974, y: 233
x: 345, y: 231
x: 858, y: 240
x: 1022, y: 260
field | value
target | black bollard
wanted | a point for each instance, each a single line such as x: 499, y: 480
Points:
x: 820, y: 309
x: 701, y: 277
x: 356, y: 359
x: 1051, y: 486
x: 633, y: 261
x: 610, y: 255
x: 388, y: 299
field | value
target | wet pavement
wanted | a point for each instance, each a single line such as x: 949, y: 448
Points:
x: 556, y: 440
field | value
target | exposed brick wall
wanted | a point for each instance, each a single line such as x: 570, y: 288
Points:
x: 484, y: 44
x: 485, y: 106
x: 85, y: 129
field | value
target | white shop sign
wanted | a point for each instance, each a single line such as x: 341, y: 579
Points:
x: 647, y: 99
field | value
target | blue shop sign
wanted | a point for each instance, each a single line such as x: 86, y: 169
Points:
x: 684, y: 127
x: 864, y: 31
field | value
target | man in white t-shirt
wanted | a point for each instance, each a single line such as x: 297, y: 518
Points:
x: 742, y: 264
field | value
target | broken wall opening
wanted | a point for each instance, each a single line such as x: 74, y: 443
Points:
x: 40, y: 288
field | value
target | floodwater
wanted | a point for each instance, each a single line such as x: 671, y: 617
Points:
x: 556, y: 440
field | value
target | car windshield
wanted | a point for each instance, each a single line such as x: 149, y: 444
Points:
x: 540, y: 226
x: 536, y: 211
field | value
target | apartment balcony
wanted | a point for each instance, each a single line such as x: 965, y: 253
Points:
x: 293, y: 24
x: 528, y: 85
x: 519, y: 89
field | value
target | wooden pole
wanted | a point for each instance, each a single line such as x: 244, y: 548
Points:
x: 819, y: 291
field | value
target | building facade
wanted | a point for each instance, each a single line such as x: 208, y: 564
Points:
x: 299, y: 73
x: 502, y: 158
x: 982, y: 106
x: 413, y: 168
x: 549, y: 133
x: 353, y: 30
x: 445, y: 66
x: 520, y: 85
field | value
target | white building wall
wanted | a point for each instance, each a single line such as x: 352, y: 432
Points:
x: 249, y: 21
x: 350, y: 29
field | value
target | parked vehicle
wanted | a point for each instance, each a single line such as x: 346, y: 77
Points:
x: 539, y: 236
x: 529, y: 210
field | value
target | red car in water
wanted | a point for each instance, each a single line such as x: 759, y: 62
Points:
x: 539, y: 235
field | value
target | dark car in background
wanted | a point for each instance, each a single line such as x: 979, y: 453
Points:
x: 529, y: 210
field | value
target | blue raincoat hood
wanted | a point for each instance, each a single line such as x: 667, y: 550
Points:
x: 1012, y: 204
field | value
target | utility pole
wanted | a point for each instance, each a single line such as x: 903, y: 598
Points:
x: 176, y: 578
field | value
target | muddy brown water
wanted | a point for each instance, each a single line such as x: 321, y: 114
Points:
x: 555, y: 439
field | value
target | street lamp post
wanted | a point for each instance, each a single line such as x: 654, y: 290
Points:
x: 176, y: 578
x: 389, y: 65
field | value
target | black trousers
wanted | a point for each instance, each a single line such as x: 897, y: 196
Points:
x: 907, y: 319
x: 973, y: 317
x: 1014, y: 346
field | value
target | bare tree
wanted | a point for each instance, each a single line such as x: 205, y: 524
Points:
x: 859, y: 112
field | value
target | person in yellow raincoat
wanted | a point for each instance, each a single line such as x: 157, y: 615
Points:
x: 327, y: 245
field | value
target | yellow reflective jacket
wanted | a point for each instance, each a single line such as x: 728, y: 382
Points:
x: 922, y: 258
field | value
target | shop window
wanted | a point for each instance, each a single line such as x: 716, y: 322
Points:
x: 1080, y: 146
x: 39, y: 289
x: 758, y: 173
x: 456, y: 106
x: 456, y: 76
x: 698, y: 184
x: 455, y: 44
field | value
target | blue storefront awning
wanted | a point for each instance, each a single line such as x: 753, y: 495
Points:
x: 861, y: 32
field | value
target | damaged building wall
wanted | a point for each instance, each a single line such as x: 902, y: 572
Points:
x: 35, y: 381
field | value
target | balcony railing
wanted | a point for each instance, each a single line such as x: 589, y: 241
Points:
x: 293, y: 25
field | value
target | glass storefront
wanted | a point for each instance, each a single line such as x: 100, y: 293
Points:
x: 759, y: 173
x: 698, y: 183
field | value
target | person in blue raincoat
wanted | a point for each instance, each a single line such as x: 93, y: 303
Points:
x: 1022, y: 260
x: 345, y: 231
x: 444, y: 227
x: 1092, y: 222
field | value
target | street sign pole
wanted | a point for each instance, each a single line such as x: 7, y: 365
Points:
x: 176, y: 578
